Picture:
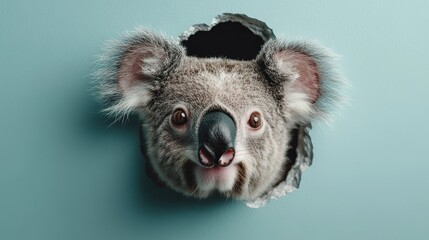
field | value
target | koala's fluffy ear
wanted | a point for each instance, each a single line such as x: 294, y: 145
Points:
x: 129, y: 70
x: 305, y: 73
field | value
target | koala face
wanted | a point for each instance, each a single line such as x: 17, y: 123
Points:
x: 213, y: 127
x: 218, y: 125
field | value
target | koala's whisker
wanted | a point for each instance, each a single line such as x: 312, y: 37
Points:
x: 195, y: 190
x: 125, y: 119
x: 111, y: 124
x: 117, y: 118
x: 238, y: 152
x: 242, y: 152
x: 240, y: 155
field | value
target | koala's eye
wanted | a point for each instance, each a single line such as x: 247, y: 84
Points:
x: 255, y: 120
x: 179, y: 117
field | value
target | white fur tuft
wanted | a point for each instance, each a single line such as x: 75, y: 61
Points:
x: 161, y: 55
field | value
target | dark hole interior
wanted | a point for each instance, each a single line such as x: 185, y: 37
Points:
x: 227, y: 40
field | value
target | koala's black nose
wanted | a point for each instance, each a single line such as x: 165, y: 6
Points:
x: 216, y: 137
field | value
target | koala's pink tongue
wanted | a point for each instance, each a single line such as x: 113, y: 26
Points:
x: 218, y: 173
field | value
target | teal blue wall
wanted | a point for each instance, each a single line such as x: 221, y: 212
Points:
x: 64, y: 174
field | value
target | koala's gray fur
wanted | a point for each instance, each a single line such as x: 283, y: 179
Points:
x: 167, y: 78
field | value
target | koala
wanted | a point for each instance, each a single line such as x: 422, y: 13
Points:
x: 217, y: 125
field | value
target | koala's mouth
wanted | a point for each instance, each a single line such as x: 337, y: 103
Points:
x: 226, y: 180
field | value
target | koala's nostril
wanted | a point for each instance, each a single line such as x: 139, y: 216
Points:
x: 226, y: 158
x: 206, y: 159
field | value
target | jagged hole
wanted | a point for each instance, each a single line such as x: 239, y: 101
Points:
x: 227, y: 40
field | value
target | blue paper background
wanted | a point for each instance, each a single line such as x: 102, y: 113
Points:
x: 64, y: 174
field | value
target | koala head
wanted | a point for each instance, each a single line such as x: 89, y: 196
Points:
x: 215, y: 125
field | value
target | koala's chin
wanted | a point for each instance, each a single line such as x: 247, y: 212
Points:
x: 216, y: 179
